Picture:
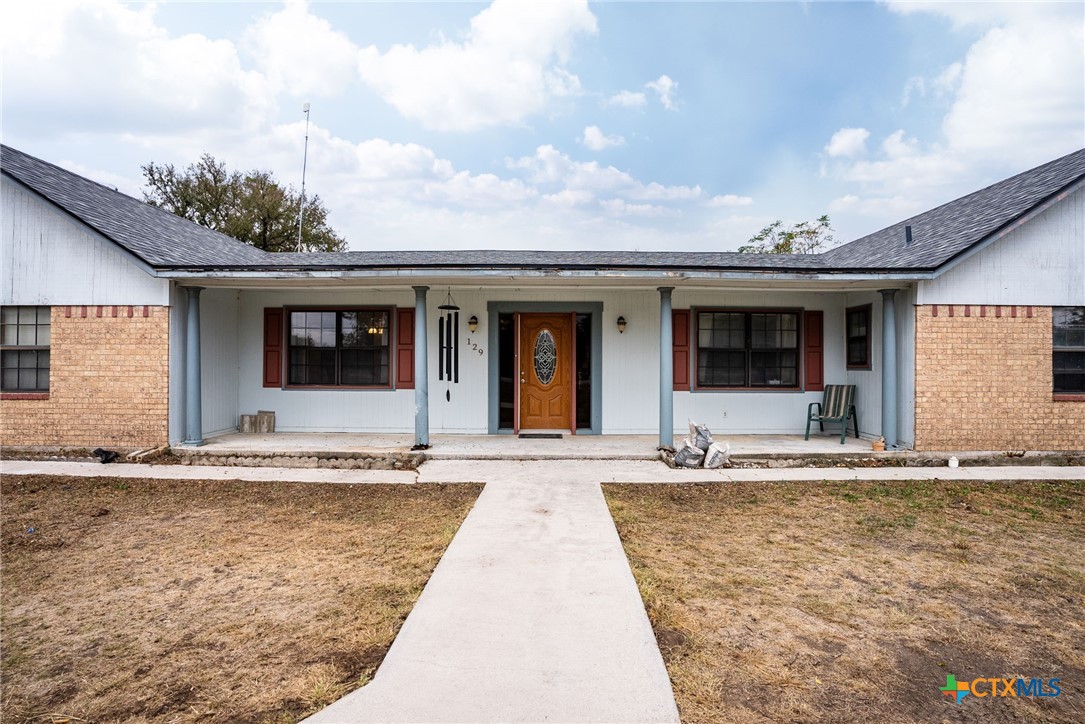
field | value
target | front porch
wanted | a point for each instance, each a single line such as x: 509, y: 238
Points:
x: 511, y: 447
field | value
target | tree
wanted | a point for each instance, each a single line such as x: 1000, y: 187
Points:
x: 251, y: 207
x: 805, y: 237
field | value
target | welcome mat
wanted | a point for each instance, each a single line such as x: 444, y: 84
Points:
x: 541, y: 436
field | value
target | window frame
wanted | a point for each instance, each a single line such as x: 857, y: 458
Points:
x: 695, y: 343
x: 37, y: 393
x: 868, y: 309
x: 1070, y: 396
x: 288, y: 345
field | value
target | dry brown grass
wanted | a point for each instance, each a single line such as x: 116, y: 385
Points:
x: 139, y: 600
x: 852, y: 601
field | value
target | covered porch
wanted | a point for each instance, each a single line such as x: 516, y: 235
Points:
x: 512, y: 447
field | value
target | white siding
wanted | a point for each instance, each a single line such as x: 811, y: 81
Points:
x: 219, y: 352
x: 1041, y: 262
x: 47, y: 257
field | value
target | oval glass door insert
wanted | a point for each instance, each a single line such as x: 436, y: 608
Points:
x: 546, y: 357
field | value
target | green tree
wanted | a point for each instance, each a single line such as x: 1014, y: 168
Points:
x: 806, y: 237
x: 251, y: 207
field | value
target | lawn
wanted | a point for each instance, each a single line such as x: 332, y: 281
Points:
x: 137, y: 600
x: 854, y: 601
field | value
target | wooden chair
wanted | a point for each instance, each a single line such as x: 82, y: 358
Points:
x: 837, y: 405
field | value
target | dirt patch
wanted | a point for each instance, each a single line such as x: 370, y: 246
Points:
x: 211, y: 601
x: 854, y: 601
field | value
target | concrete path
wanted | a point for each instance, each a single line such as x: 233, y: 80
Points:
x: 532, y: 615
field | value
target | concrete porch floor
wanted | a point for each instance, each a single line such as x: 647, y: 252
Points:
x: 510, y: 447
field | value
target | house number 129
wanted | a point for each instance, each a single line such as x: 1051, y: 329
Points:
x: 472, y: 345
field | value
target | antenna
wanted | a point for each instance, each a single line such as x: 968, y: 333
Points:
x: 304, y: 163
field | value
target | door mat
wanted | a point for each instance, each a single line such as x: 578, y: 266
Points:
x: 541, y: 436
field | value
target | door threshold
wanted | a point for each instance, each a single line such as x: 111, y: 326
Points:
x: 541, y: 436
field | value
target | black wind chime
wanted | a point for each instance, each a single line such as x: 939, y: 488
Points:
x: 448, y: 331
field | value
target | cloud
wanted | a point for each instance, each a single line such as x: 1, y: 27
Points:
x: 596, y: 140
x: 1015, y: 99
x: 301, y: 53
x: 728, y: 200
x: 627, y: 99
x: 848, y: 142
x: 665, y: 89
x: 620, y: 207
x: 509, y: 67
x: 142, y: 80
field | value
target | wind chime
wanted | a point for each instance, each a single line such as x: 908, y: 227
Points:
x: 448, y: 331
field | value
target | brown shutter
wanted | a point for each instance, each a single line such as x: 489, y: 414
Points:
x: 273, y: 347
x: 813, y: 355
x: 680, y: 346
x: 405, y: 349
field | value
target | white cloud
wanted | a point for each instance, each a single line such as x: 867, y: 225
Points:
x: 301, y: 53
x: 596, y: 140
x: 620, y: 207
x: 509, y: 67
x: 848, y: 142
x: 627, y: 99
x: 142, y: 79
x: 570, y: 197
x: 728, y: 200
x: 665, y: 89
x: 1015, y: 100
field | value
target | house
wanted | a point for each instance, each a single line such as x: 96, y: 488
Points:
x: 962, y: 328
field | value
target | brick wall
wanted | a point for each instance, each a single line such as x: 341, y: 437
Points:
x: 983, y: 381
x: 108, y: 381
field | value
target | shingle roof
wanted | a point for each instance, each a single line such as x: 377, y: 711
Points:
x: 166, y: 241
x: 943, y: 233
x: 158, y: 237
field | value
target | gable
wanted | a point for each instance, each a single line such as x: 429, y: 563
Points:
x: 50, y: 258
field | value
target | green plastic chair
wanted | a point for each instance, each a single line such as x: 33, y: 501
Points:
x: 837, y: 405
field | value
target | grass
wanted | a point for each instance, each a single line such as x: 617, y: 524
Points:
x: 853, y: 601
x: 143, y: 600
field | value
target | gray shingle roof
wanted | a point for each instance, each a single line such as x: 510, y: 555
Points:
x: 943, y: 233
x: 166, y: 241
x: 158, y: 237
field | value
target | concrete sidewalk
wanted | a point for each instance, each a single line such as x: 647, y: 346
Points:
x: 204, y: 472
x: 531, y: 615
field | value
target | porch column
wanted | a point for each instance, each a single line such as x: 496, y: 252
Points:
x: 421, y: 370
x: 666, y: 370
x: 193, y: 389
x: 889, y: 368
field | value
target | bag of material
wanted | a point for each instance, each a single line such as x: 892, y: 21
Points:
x: 718, y: 455
x: 690, y: 456
x: 699, y: 435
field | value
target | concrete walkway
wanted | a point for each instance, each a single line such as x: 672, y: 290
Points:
x: 531, y: 615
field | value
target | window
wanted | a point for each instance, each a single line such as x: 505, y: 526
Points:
x: 747, y: 349
x: 339, y: 348
x: 1068, y: 350
x: 858, y: 331
x: 24, y: 349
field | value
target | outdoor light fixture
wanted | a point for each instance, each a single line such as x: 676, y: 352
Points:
x: 621, y: 325
x: 472, y: 324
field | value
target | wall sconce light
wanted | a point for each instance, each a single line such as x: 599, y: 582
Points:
x: 472, y: 324
x: 621, y: 325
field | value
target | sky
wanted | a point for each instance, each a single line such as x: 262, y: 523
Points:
x: 557, y: 125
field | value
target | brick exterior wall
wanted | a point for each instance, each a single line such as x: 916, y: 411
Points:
x: 108, y: 381
x: 983, y: 381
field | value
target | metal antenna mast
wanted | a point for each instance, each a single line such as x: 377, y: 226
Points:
x: 304, y: 163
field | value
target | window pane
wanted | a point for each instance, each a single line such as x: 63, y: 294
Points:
x: 9, y: 380
x: 719, y: 368
x: 9, y: 315
x: 28, y: 315
x: 9, y: 334
x: 25, y: 370
x: 1068, y: 357
x: 364, y: 366
x: 312, y: 366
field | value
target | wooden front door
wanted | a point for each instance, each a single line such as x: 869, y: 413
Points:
x: 546, y: 372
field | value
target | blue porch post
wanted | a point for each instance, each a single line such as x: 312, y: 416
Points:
x: 889, y: 368
x: 421, y: 370
x: 666, y: 371
x: 193, y: 390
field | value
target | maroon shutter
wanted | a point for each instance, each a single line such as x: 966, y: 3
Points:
x: 273, y: 347
x: 680, y: 346
x: 405, y: 349
x: 813, y: 354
